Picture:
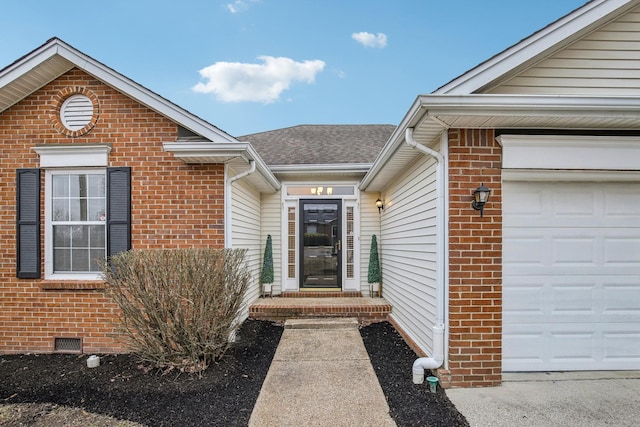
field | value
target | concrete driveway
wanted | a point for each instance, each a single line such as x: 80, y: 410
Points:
x: 554, y: 399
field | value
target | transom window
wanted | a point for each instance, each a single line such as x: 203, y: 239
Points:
x: 76, y: 222
x: 321, y: 190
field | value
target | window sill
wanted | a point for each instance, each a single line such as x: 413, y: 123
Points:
x: 64, y: 285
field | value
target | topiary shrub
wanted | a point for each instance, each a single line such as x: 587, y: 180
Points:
x: 179, y: 307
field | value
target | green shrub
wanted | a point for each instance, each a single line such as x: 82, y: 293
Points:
x: 179, y: 307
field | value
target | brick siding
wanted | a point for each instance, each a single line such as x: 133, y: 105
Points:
x: 173, y: 205
x: 475, y: 261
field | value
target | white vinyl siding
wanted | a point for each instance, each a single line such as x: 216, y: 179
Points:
x: 246, y: 234
x: 408, y: 250
x: 604, y: 62
x: 369, y: 225
x: 271, y: 224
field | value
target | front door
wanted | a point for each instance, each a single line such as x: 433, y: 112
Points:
x: 320, y: 244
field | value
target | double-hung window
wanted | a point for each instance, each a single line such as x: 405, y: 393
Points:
x: 87, y: 212
x: 75, y: 218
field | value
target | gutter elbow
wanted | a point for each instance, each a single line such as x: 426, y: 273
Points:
x: 423, y: 363
x: 408, y: 138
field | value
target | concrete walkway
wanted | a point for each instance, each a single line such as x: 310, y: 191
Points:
x: 321, y: 375
x: 554, y: 399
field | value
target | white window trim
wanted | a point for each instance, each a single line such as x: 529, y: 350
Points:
x: 73, y: 156
x: 48, y: 227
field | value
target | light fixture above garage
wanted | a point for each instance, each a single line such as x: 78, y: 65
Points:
x: 480, y: 197
x: 379, y: 205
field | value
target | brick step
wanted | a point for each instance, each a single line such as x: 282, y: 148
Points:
x: 278, y: 309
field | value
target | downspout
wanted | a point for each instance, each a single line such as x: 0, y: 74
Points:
x: 437, y: 358
x: 228, y: 211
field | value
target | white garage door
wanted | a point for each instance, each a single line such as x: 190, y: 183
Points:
x: 571, y: 276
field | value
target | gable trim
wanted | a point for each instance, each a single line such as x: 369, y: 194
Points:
x: 55, y: 58
x: 549, y: 39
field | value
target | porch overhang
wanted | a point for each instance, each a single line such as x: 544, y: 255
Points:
x: 431, y: 115
x: 340, y: 171
x: 235, y: 154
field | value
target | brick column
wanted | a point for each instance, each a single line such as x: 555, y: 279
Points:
x: 475, y: 261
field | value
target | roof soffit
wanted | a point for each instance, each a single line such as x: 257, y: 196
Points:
x: 431, y: 115
x: 236, y: 154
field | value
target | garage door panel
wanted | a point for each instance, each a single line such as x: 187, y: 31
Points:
x: 571, y: 205
x: 622, y: 202
x: 621, y: 301
x: 622, y: 250
x: 525, y: 250
x: 574, y: 250
x: 570, y: 347
x: 571, y: 276
x: 572, y: 299
x: 524, y: 302
x: 622, y: 346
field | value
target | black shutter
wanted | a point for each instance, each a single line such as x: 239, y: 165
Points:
x: 28, y: 224
x: 118, y: 210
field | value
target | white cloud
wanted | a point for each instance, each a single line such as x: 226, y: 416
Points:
x: 238, y: 82
x: 370, y: 40
x: 239, y: 6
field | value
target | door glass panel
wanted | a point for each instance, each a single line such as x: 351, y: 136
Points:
x: 321, y: 244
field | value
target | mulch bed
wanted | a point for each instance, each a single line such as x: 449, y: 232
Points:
x: 409, y: 404
x: 224, y: 395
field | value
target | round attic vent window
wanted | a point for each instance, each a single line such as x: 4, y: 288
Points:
x: 76, y: 112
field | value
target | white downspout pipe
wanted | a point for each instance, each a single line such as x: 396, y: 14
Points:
x: 228, y: 201
x: 438, y: 330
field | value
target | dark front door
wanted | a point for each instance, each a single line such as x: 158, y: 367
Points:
x: 320, y: 244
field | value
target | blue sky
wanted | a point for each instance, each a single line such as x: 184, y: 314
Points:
x: 248, y: 66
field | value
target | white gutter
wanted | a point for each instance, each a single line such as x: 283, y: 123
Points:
x: 437, y: 358
x: 228, y: 199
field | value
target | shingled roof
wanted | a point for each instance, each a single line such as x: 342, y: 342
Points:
x: 320, y: 144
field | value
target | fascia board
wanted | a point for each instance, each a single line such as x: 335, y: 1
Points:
x: 26, y: 63
x: 513, y: 105
x: 243, y: 150
x: 412, y: 118
x: 429, y: 107
x: 534, y: 45
x: 183, y: 150
x: 321, y: 168
x: 263, y: 169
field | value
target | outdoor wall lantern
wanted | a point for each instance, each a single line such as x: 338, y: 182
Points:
x: 480, y: 197
x: 379, y: 205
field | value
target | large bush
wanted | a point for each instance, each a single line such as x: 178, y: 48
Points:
x: 179, y: 306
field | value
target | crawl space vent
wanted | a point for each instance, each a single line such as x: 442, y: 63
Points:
x: 76, y: 112
x: 67, y: 345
